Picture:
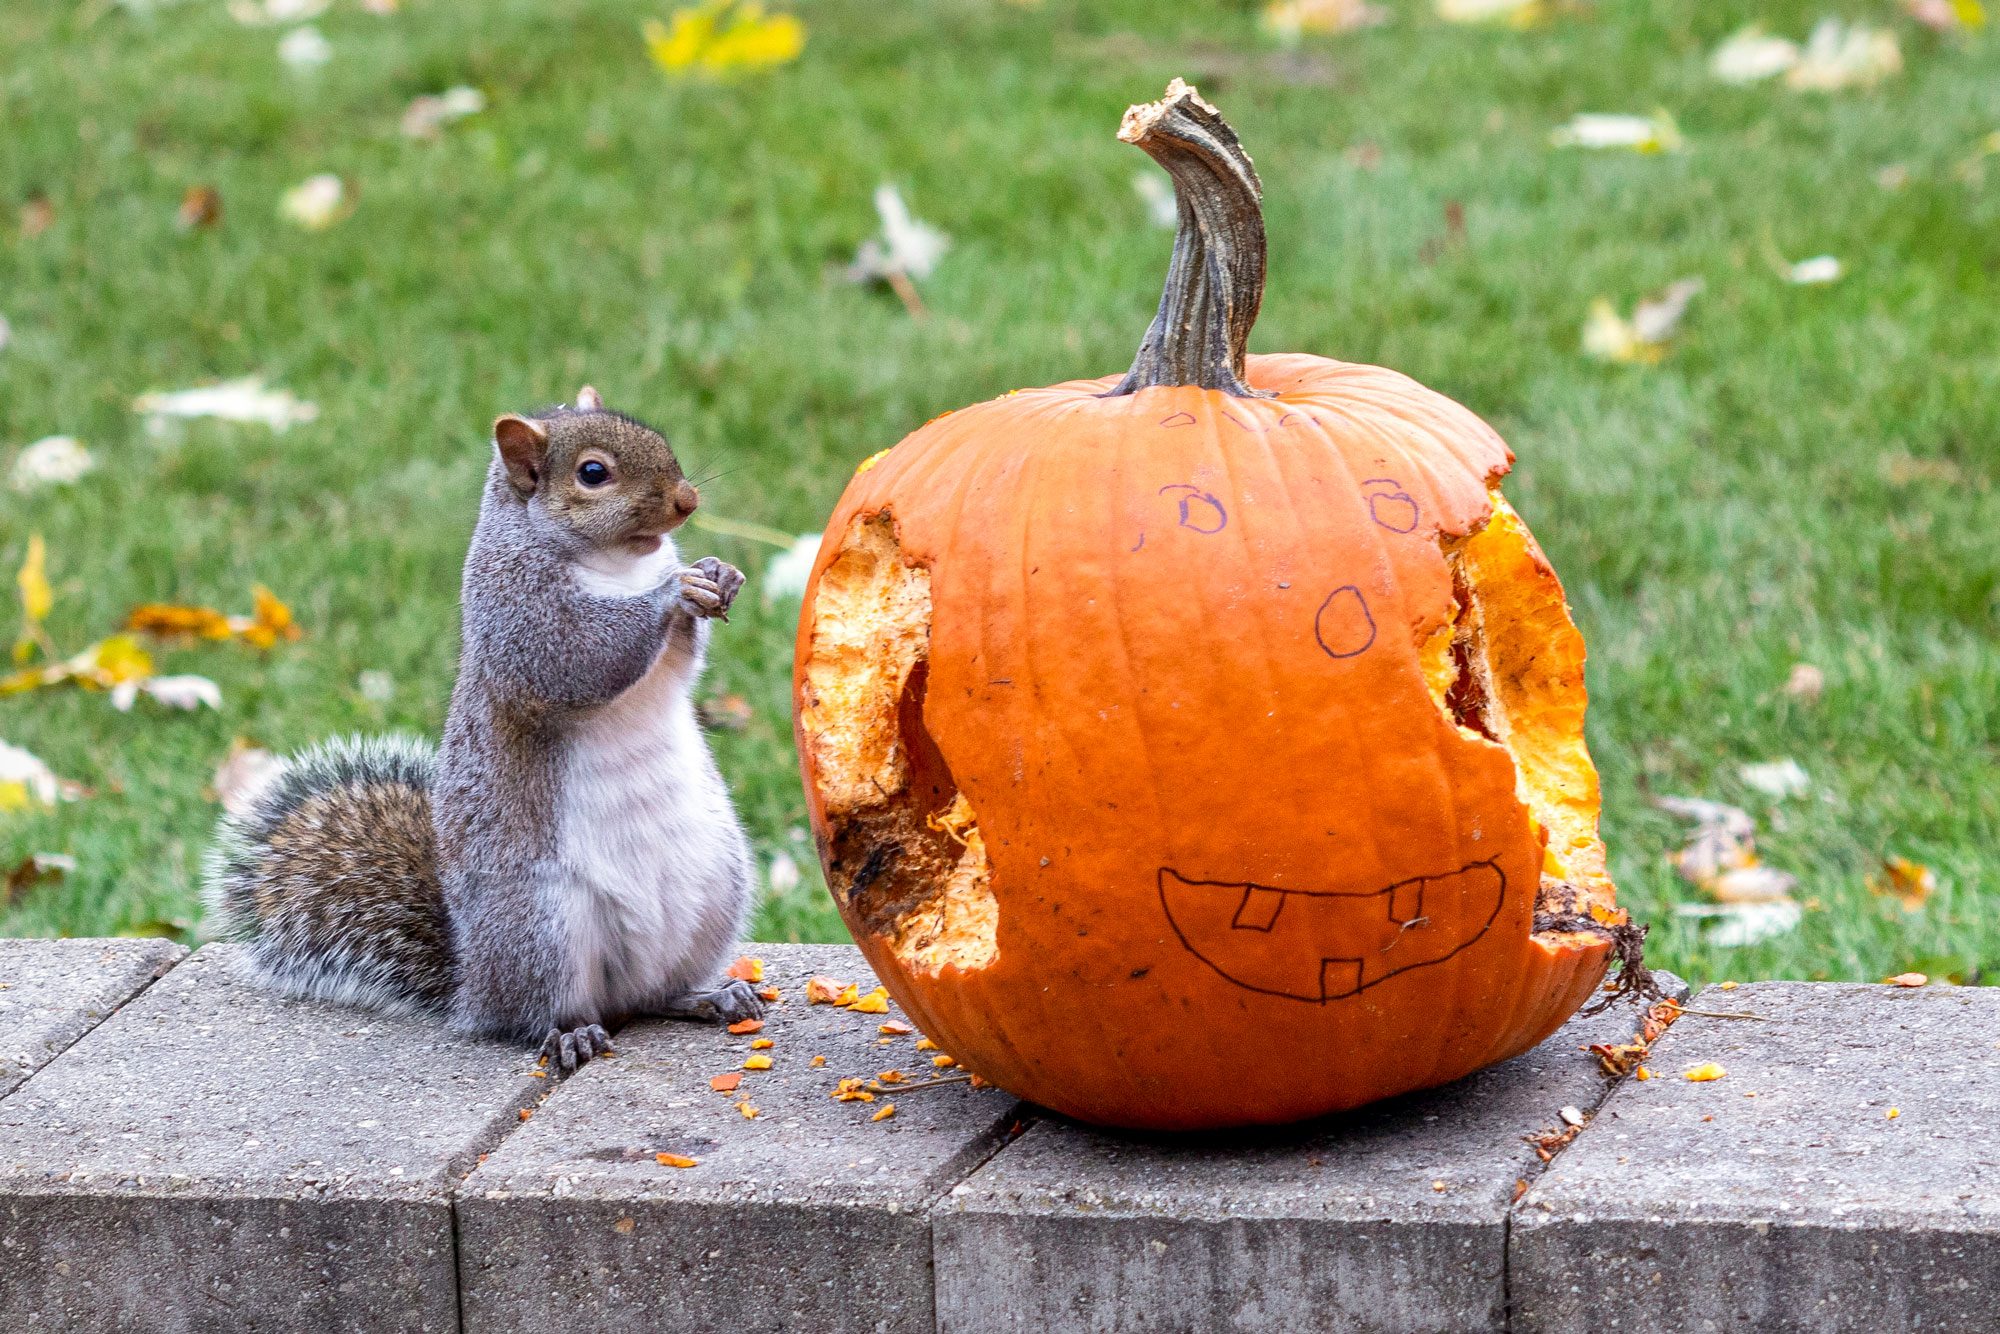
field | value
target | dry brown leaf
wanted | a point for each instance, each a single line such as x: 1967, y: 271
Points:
x: 201, y: 206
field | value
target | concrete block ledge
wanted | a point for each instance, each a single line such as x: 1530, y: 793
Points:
x: 193, y: 1154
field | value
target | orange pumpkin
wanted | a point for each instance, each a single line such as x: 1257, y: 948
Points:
x: 1205, y: 747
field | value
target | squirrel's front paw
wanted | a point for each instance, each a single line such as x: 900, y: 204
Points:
x: 565, y: 1052
x: 732, y: 1002
x: 711, y: 585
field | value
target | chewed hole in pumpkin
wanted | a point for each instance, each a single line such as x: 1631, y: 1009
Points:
x: 905, y: 855
x: 1506, y: 667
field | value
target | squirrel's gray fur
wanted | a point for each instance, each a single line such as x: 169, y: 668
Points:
x: 569, y: 857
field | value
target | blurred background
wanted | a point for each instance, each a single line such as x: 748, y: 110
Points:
x: 1725, y: 274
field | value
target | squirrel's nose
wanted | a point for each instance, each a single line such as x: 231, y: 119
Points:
x: 685, y: 498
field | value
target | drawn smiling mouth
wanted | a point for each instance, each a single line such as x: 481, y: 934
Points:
x: 1325, y: 945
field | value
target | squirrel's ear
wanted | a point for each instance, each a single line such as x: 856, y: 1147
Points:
x: 520, y: 442
x: 589, y: 400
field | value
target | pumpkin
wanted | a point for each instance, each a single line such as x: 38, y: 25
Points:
x: 1204, y: 746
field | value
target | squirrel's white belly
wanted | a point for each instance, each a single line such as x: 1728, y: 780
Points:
x: 660, y: 868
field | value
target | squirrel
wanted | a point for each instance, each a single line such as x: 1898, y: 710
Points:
x: 568, y: 857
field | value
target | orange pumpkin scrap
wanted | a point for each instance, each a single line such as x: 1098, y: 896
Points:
x: 1205, y: 745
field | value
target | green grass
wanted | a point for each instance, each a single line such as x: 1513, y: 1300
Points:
x: 1744, y: 506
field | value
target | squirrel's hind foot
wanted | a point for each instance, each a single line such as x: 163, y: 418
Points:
x: 732, y: 1002
x: 566, y: 1052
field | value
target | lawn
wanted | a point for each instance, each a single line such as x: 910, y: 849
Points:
x: 1807, y: 476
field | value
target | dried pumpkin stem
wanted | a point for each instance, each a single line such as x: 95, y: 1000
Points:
x: 1215, y: 281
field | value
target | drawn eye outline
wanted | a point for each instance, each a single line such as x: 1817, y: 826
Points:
x: 1190, y: 495
x: 1397, y: 497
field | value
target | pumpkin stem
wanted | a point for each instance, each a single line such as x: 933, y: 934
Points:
x: 1215, y: 281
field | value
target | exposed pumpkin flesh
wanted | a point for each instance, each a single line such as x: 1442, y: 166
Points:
x: 906, y: 853
x: 1506, y: 666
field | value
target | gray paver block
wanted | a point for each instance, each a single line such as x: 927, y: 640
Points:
x: 215, y: 1157
x: 52, y: 992
x: 811, y: 1217
x: 1392, y: 1217
x: 1698, y: 1206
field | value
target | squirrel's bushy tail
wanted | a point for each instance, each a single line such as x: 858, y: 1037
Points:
x: 331, y: 877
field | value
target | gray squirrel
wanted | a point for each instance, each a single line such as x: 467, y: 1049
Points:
x: 569, y: 857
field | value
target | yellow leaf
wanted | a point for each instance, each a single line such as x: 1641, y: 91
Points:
x: 112, y: 661
x: 36, y: 597
x: 270, y: 621
x: 163, y: 618
x: 721, y: 37
x: 1910, y: 882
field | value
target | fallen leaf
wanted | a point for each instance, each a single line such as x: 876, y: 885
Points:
x: 36, y: 869
x: 724, y: 713
x: 1841, y: 55
x: 25, y: 781
x: 54, y: 460
x: 317, y: 203
x: 719, y: 38
x: 1909, y: 882
x: 783, y: 875
x: 427, y: 116
x: 1656, y: 133
x: 1776, y: 778
x: 726, y: 1083
x: 376, y: 686
x: 1947, y: 15
x: 1818, y: 270
x: 304, y: 49
x: 884, y: 1112
x: 6, y: 333
x: 187, y: 693
x: 1516, y: 13
x: 674, y: 1160
x: 756, y: 1063
x: 38, y: 598
x: 240, y: 400
x: 1805, y: 683
x: 896, y: 1028
x: 905, y: 251
x: 1751, y: 55
x: 742, y: 1026
x: 1289, y: 20
x: 1705, y: 813
x: 875, y: 1002
x: 1734, y: 925
x: 1751, y: 884
x: 38, y: 214
x: 1703, y: 1073
x: 244, y: 775
x: 170, y: 620
x: 746, y: 969
x: 1641, y: 340
x: 263, y: 13
x: 270, y: 621
x: 1907, y: 980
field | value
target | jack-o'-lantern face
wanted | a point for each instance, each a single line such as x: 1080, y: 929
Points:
x: 1183, y: 756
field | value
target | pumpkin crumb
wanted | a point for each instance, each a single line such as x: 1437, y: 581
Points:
x: 674, y: 1160
x: 888, y: 1109
x: 762, y: 1044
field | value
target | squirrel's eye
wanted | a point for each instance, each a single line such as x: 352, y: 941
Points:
x: 592, y: 473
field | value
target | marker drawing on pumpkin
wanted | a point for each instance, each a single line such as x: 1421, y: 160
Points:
x: 1326, y: 945
x: 1394, y: 509
x: 1178, y: 419
x: 1344, y: 626
x: 1198, y: 509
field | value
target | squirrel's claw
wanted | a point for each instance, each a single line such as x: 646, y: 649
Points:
x: 712, y: 585
x: 732, y: 1002
x: 565, y: 1052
